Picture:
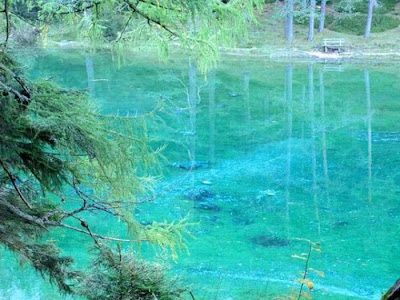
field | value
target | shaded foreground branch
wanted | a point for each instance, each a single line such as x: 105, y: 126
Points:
x: 54, y: 143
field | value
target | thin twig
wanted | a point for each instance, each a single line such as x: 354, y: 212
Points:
x: 150, y: 19
x: 158, y: 5
x: 94, y: 234
x: 123, y: 30
x: 12, y: 179
x: 77, y: 10
x: 191, y: 295
x: 7, y: 23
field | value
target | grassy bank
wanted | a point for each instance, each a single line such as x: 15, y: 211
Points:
x: 267, y: 39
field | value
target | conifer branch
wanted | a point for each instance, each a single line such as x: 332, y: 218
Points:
x: 21, y: 214
x: 23, y: 99
x: 23, y: 96
x: 43, y: 223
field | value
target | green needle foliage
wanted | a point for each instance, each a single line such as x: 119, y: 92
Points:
x: 54, y: 146
x: 197, y: 27
x: 118, y: 275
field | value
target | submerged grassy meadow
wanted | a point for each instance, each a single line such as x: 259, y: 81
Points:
x: 262, y: 155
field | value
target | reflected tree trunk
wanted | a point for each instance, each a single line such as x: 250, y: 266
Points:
x: 324, y: 145
x: 324, y: 151
x: 246, y: 90
x: 89, y: 62
x: 289, y: 112
x: 192, y: 103
x: 303, y: 103
x: 369, y: 121
x: 313, y: 148
x: 211, y: 116
x: 246, y: 95
x: 90, y: 74
x: 266, y: 110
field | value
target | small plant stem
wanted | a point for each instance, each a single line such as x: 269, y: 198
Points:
x: 191, y: 295
x: 305, y: 272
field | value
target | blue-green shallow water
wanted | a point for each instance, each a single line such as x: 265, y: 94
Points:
x: 285, y: 151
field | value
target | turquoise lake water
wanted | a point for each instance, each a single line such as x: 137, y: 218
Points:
x: 263, y: 155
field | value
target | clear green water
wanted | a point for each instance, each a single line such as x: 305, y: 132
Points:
x: 286, y: 151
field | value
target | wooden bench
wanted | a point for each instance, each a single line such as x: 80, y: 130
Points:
x: 332, y: 45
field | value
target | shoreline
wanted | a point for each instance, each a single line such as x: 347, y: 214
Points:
x: 295, y: 54
x: 353, y: 55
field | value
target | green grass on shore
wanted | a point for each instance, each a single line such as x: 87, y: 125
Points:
x: 269, y: 34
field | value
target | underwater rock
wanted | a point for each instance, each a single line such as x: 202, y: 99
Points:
x: 270, y: 241
x: 340, y: 224
x: 394, y: 213
x: 201, y: 195
x: 226, y: 198
x: 263, y: 195
x: 239, y: 218
x: 242, y: 221
x: 188, y: 133
x: 206, y: 182
x: 213, y: 219
x: 190, y: 165
x: 146, y: 223
x: 207, y: 206
x: 234, y: 94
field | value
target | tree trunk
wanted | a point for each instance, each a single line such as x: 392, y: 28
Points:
x: 368, y: 25
x: 304, y: 4
x: 322, y: 16
x: 311, y: 24
x: 289, y: 20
